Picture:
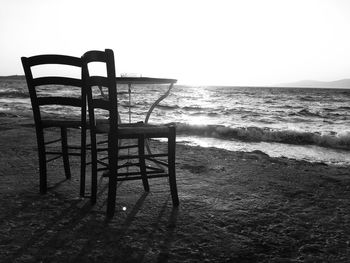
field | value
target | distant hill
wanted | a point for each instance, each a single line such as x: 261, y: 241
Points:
x: 342, y: 83
x: 12, y: 77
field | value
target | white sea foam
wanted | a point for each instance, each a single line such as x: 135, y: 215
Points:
x: 309, y: 153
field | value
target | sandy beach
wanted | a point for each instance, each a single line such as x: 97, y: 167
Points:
x: 234, y: 207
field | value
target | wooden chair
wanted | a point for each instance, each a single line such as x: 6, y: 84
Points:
x: 56, y: 92
x: 115, y: 131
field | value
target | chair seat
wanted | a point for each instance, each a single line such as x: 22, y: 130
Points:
x: 130, y: 130
x: 68, y: 123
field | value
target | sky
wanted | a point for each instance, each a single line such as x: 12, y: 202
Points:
x: 198, y: 42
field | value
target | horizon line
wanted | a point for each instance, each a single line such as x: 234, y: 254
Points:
x: 293, y: 84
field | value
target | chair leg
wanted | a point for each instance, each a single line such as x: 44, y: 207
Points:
x: 141, y: 144
x: 65, y: 152
x: 113, y: 170
x: 93, y: 167
x: 42, y: 162
x: 82, y: 161
x: 112, y: 191
x: 171, y: 163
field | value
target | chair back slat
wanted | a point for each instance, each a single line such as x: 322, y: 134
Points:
x: 98, y: 81
x: 57, y: 81
x: 95, y: 56
x: 53, y: 59
x: 100, y: 104
x: 75, y: 102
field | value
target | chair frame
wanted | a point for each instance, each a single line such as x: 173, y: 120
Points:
x: 117, y: 132
x: 41, y: 123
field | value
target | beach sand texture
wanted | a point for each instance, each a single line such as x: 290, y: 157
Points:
x: 234, y: 207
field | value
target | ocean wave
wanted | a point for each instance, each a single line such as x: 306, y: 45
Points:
x: 257, y: 134
x: 307, y: 98
x: 14, y: 94
x: 305, y: 113
x: 196, y: 108
x: 167, y: 107
x: 201, y: 113
x: 329, y: 109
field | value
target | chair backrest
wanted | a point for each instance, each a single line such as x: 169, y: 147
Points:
x: 101, y: 82
x: 49, y: 90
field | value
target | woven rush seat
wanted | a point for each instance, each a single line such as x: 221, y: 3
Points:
x: 47, y: 123
x: 129, y: 129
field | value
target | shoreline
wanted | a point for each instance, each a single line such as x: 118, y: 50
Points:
x: 234, y: 207
x: 217, y: 143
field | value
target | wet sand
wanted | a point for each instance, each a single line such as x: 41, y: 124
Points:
x: 234, y: 207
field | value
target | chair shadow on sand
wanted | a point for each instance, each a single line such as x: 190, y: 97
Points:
x: 165, y: 245
x: 81, y: 215
x: 123, y: 228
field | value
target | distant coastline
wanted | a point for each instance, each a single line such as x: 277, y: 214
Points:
x: 14, y: 77
x: 342, y: 83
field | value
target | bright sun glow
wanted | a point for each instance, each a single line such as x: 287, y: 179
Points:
x: 241, y: 42
x: 196, y: 120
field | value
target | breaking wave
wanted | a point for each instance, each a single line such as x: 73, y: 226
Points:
x: 256, y: 134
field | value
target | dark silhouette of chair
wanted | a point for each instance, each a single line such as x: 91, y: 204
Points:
x: 46, y: 92
x: 139, y: 132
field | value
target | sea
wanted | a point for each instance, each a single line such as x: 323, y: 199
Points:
x: 309, y: 124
